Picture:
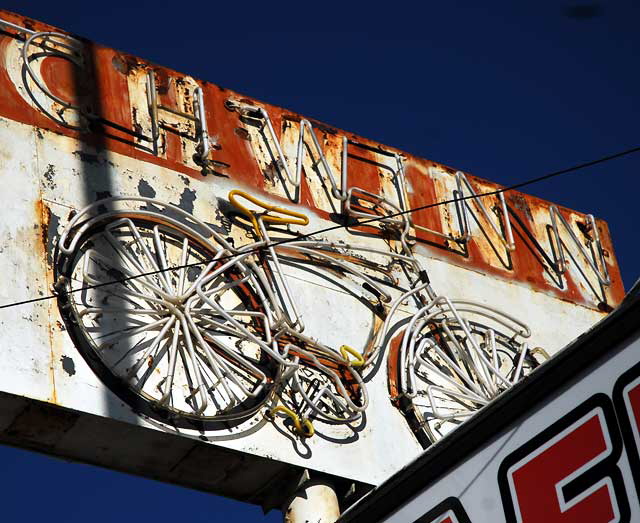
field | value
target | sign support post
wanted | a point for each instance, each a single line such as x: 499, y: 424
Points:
x: 315, y: 501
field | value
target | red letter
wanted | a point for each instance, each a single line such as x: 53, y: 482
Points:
x: 626, y: 398
x: 568, y: 473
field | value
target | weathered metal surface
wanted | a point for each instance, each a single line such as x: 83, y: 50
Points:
x: 113, y: 86
x: 105, y: 139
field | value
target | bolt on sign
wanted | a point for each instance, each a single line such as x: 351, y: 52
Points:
x: 250, y: 291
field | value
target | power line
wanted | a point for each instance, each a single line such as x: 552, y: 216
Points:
x: 340, y: 226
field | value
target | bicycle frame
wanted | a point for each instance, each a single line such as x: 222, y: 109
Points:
x: 326, y: 380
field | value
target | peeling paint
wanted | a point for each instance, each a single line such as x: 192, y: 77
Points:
x: 144, y: 189
x: 187, y: 198
x: 68, y: 365
x: 53, y: 167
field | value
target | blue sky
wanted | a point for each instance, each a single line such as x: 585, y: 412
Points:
x: 505, y: 90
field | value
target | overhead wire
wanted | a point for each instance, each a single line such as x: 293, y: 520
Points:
x: 355, y: 223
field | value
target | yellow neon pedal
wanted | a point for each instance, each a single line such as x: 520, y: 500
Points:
x: 345, y: 350
x: 303, y: 427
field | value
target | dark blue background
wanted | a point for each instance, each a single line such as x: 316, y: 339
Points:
x: 505, y: 90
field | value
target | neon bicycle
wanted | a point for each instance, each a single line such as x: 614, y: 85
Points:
x: 214, y: 339
x: 191, y: 330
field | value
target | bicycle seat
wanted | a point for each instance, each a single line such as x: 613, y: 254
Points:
x: 289, y: 216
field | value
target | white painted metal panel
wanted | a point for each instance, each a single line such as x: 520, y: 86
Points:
x: 366, y: 372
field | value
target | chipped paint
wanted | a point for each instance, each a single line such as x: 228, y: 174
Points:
x: 66, y: 163
x: 245, y: 153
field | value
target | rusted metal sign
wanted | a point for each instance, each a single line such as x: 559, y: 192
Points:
x: 229, y: 272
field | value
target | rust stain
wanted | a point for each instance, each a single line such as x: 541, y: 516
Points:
x: 422, y: 193
x: 106, y: 75
x: 61, y: 75
x: 393, y: 368
x: 43, y: 212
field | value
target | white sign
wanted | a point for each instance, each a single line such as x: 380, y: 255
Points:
x: 574, y: 457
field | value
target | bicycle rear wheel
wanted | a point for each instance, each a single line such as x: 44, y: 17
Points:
x: 453, y: 358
